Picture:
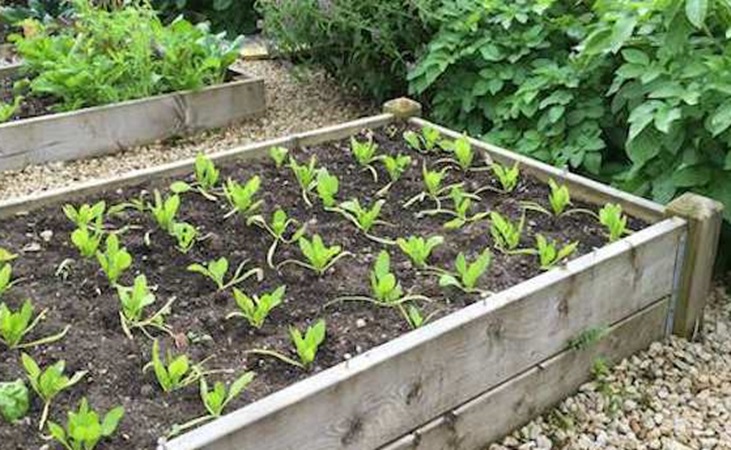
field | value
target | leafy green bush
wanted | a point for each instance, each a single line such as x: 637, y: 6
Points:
x: 367, y: 44
x: 631, y: 91
x: 231, y: 16
x: 111, y: 56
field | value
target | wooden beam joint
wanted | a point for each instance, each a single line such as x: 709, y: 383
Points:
x: 403, y: 108
x: 704, y: 217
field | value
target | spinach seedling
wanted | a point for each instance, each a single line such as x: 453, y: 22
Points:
x: 327, y: 187
x: 363, y: 218
x: 365, y: 155
x: 133, y: 302
x: 306, y: 345
x: 418, y: 249
x: 319, y: 256
x: 216, y: 271
x: 6, y: 276
x: 6, y: 255
x: 505, y: 233
x: 467, y: 274
x: 615, y: 222
x: 173, y: 372
x: 462, y: 203
x: 15, y: 325
x: 306, y: 176
x: 463, y: 153
x: 278, y: 155
x: 425, y: 142
x: 164, y: 210
x: 433, y: 188
x: 8, y: 110
x: 549, y: 254
x: 216, y: 400
x: 185, y: 234
x: 84, y: 429
x: 87, y: 241
x: 395, y: 167
x: 206, y: 178
x: 508, y: 177
x: 414, y: 317
x: 48, y: 383
x: 256, y: 309
x: 277, y: 229
x: 385, y: 288
x: 85, y: 214
x: 14, y: 400
x: 115, y: 259
x: 242, y: 198
x: 559, y: 200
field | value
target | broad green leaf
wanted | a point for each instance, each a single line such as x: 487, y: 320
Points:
x: 696, y: 11
x: 635, y: 56
x: 692, y: 176
x: 721, y: 119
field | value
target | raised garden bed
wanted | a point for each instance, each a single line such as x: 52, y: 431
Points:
x: 106, y: 129
x: 481, y: 366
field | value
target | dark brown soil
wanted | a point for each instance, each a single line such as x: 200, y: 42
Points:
x: 96, y: 342
x: 31, y: 106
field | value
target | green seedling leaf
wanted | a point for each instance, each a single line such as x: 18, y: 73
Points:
x: 327, y: 187
x: 15, y: 325
x: 468, y: 274
x: 308, y: 345
x: 508, y: 177
x: 173, y: 372
x: 278, y: 155
x: 463, y: 153
x: 614, y: 220
x: 206, y: 173
x: 384, y: 285
x: 549, y: 254
x: 505, y: 233
x: 216, y: 400
x: 85, y: 214
x: 319, y: 256
x: 185, y: 234
x: 256, y: 309
x: 86, y: 241
x: 216, y: 270
x: 83, y: 429
x: 14, y: 400
x: 418, y: 249
x: 363, y: 218
x: 242, y: 198
x: 165, y: 210
x: 115, y: 259
x: 396, y: 165
x: 6, y: 256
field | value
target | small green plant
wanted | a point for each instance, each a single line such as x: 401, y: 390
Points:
x: 48, y: 383
x: 433, y: 187
x: 280, y: 222
x: 424, y: 142
x: 206, y: 178
x: 6, y: 255
x: 87, y: 241
x: 467, y: 274
x: 306, y: 345
x: 164, y: 210
x: 306, y: 176
x: 115, y: 259
x: 319, y: 256
x: 365, y: 154
x: 505, y: 234
x: 588, y: 338
x: 278, y: 155
x: 361, y: 217
x: 15, y: 325
x: 549, y: 254
x: 134, y: 300
x: 559, y: 198
x: 256, y: 309
x: 327, y: 187
x: 508, y: 177
x: 14, y: 400
x: 173, y: 372
x: 85, y: 214
x: 6, y: 275
x: 461, y: 148
x: 216, y: 271
x: 242, y: 198
x: 185, y: 234
x: 414, y: 317
x: 462, y: 203
x: 84, y: 429
x: 418, y: 249
x: 614, y: 221
x: 395, y: 166
x: 8, y: 110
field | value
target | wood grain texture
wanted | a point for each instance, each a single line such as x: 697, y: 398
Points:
x: 374, y: 398
x: 6, y: 71
x: 183, y: 167
x: 106, y: 129
x: 581, y: 187
x: 499, y: 411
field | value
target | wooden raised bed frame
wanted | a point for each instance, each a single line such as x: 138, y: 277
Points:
x: 473, y: 376
x: 109, y: 128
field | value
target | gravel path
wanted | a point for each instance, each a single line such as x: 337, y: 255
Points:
x: 674, y: 396
x: 294, y: 104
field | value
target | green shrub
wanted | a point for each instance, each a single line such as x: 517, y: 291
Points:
x: 232, y: 16
x: 366, y: 44
x: 111, y: 56
x: 632, y: 92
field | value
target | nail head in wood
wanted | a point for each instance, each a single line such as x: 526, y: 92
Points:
x: 402, y: 108
x: 704, y: 217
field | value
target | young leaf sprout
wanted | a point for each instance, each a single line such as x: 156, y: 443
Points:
x: 414, y: 317
x: 278, y: 155
x: 279, y: 225
x: 327, y: 187
x: 216, y: 271
x: 365, y: 155
x: 467, y: 274
x: 15, y: 325
x: 85, y: 214
x: 242, y: 198
x: 6, y: 275
x: 463, y: 154
x: 306, y: 345
x: 206, y: 178
x: 615, y: 222
x: 174, y: 372
x: 306, y: 176
x: 559, y: 200
x: 508, y: 177
x: 256, y: 309
x: 505, y: 233
x: 6, y: 256
x: 83, y: 429
x: 418, y: 249
x: 133, y: 301
x: 395, y: 167
x: 115, y: 259
x: 425, y: 142
x: 185, y: 234
x: 87, y: 241
x: 320, y: 257
x: 363, y: 218
x: 550, y: 254
x: 462, y: 202
x: 165, y: 210
x: 433, y: 188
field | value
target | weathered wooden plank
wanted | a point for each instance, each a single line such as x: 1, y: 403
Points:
x: 510, y: 405
x: 105, y: 129
x: 370, y: 400
x: 704, y: 217
x: 178, y: 168
x: 581, y: 188
x: 6, y: 71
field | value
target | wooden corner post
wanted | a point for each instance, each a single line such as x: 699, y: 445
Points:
x: 402, y: 108
x: 695, y: 269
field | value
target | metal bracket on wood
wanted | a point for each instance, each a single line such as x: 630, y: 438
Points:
x: 695, y: 269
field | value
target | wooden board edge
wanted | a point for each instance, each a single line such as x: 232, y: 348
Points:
x: 581, y: 187
x: 281, y: 400
x: 499, y: 411
x: 10, y: 69
x: 31, y: 202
